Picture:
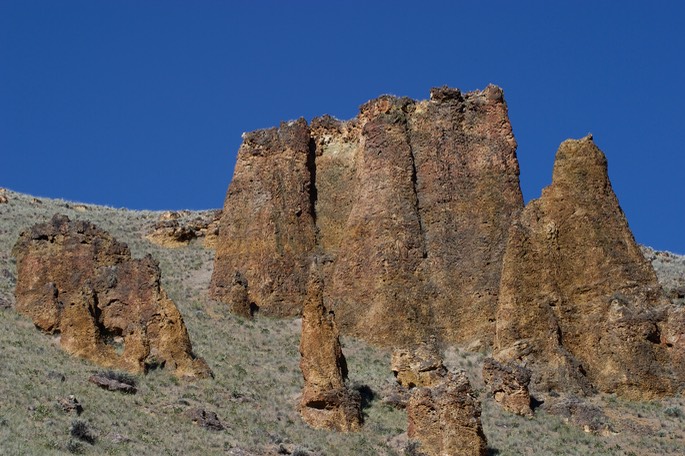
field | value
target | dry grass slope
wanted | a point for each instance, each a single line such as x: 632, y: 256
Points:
x: 257, y: 378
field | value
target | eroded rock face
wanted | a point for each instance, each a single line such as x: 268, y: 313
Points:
x: 445, y: 419
x: 267, y: 228
x: 408, y: 203
x: 418, y: 366
x: 508, y: 384
x: 76, y: 280
x: 326, y: 401
x: 579, y: 305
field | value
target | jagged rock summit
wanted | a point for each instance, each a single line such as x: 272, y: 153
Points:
x: 579, y: 305
x: 77, y: 281
x: 408, y: 205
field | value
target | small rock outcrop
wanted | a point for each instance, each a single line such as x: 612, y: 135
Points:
x: 205, y: 419
x: 175, y: 229
x: 579, y: 305
x: 418, y: 366
x: 75, y: 280
x: 409, y: 202
x: 445, y: 419
x: 326, y: 401
x: 508, y: 384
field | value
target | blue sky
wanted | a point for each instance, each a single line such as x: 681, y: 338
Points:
x: 141, y: 104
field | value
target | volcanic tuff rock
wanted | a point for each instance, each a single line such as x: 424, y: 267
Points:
x: 445, y: 419
x: 326, y: 401
x: 419, y: 366
x: 579, y: 305
x: 174, y: 229
x: 408, y: 205
x: 508, y: 384
x: 76, y: 280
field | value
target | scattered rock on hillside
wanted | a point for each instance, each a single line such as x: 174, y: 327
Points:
x: 410, y: 202
x: 70, y: 404
x: 76, y: 280
x: 579, y: 413
x: 579, y: 305
x: 418, y: 366
x: 112, y: 382
x: 326, y: 401
x: 445, y: 419
x: 205, y: 419
x: 508, y: 383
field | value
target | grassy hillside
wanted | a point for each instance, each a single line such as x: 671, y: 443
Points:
x: 257, y: 378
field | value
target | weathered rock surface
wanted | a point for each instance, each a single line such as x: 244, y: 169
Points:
x: 445, y: 419
x: 112, y: 382
x: 3, y: 196
x: 508, y: 384
x: 326, y: 401
x: 579, y: 305
x: 205, y: 419
x: 267, y: 229
x: 408, y: 203
x: 174, y: 229
x: 418, y: 366
x: 76, y: 280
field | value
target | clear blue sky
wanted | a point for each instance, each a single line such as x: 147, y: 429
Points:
x: 141, y: 104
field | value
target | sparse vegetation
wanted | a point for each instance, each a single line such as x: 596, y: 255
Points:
x: 257, y: 379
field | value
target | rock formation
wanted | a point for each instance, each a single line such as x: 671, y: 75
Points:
x: 77, y: 281
x: 508, y: 384
x: 408, y: 205
x: 267, y: 229
x: 173, y: 229
x: 326, y: 401
x: 579, y: 305
x: 417, y: 367
x: 445, y: 419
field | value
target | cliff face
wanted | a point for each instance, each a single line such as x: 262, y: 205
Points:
x: 578, y: 303
x: 407, y: 205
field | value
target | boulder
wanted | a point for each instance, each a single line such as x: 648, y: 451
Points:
x: 508, y: 384
x: 445, y: 419
x: 326, y: 401
x: 418, y: 366
x: 76, y: 280
x: 409, y: 203
x: 579, y: 305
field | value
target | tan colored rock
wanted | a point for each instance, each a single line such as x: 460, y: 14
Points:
x: 418, y: 366
x: 579, y: 305
x: 508, y: 384
x: 76, y: 280
x: 171, y: 234
x: 326, y: 401
x: 267, y: 228
x: 174, y: 229
x: 445, y: 419
x: 408, y: 205
x: 3, y: 196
